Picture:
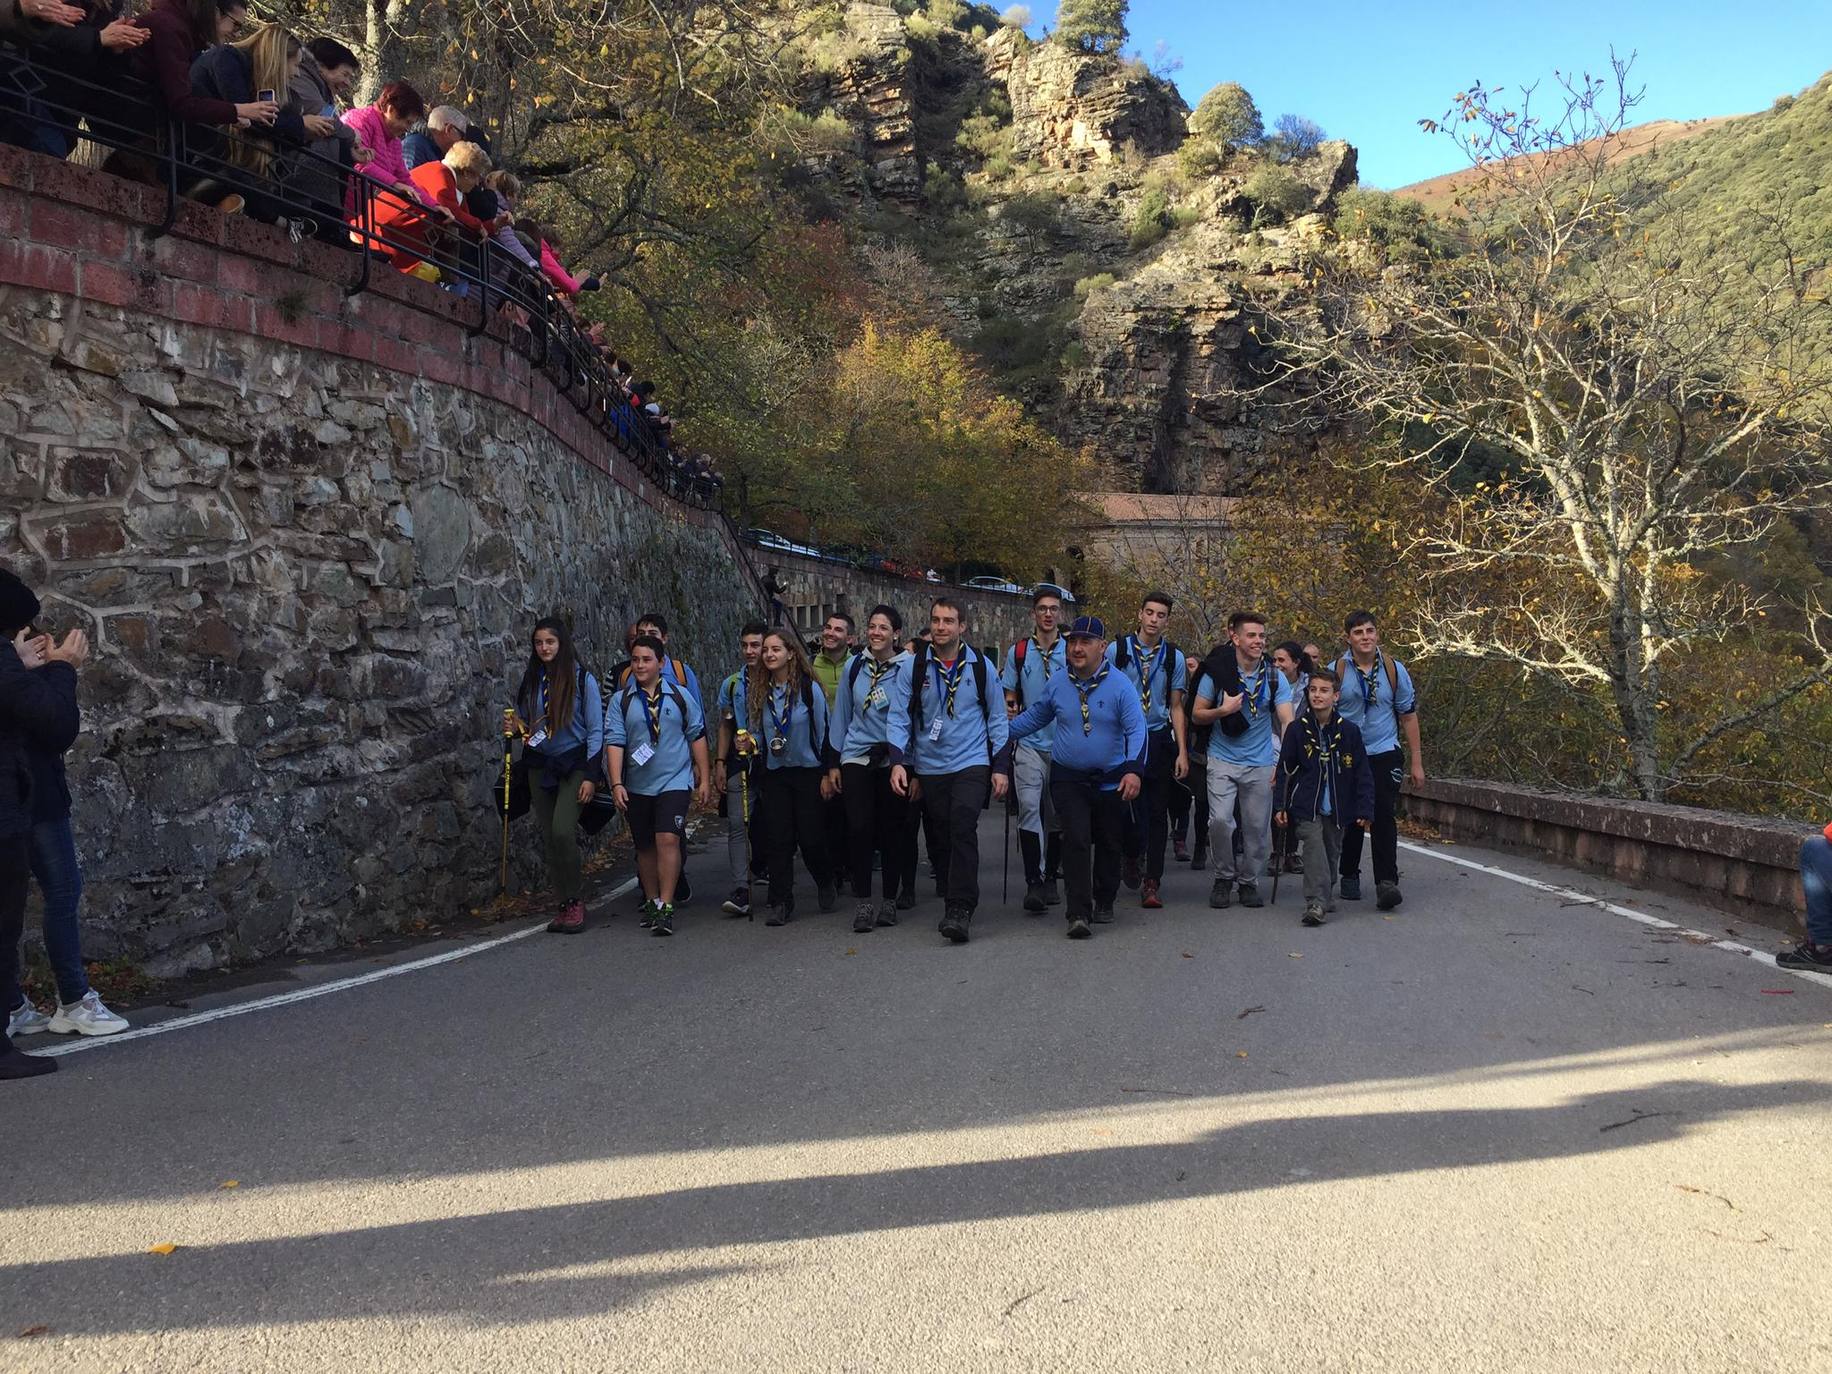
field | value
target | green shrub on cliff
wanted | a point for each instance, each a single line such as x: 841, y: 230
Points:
x: 1091, y: 25
x: 1228, y: 117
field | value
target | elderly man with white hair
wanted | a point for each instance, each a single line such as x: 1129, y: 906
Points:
x: 446, y: 125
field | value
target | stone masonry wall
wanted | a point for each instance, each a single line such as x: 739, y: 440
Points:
x: 308, y: 545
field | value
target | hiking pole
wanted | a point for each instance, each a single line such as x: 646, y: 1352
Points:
x: 502, y: 885
x: 1281, y: 835
x: 1006, y: 894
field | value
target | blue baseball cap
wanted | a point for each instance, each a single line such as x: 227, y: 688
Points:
x: 1087, y: 627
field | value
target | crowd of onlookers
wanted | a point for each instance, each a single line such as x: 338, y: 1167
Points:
x: 264, y: 128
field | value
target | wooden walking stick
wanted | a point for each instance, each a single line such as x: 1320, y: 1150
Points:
x: 502, y: 886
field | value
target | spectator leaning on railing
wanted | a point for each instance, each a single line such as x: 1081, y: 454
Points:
x: 446, y: 126
x: 79, y: 51
x: 380, y: 127
x: 327, y: 70
x: 252, y: 160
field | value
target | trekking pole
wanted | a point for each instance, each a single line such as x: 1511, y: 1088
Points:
x: 502, y: 885
x: 1006, y: 895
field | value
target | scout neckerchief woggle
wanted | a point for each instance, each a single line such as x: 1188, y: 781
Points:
x: 873, y: 697
x: 1084, y: 687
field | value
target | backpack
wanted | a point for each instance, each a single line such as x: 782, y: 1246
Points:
x: 1172, y: 654
x: 680, y: 702
x: 920, y: 674
x: 1347, y: 662
x: 1222, y: 666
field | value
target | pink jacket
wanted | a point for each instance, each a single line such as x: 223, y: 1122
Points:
x: 557, y: 274
x: 387, y: 165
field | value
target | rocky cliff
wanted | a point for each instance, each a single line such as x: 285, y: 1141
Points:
x: 1108, y: 274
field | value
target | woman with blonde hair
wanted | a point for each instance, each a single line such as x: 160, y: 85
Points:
x: 248, y: 157
x: 787, y: 710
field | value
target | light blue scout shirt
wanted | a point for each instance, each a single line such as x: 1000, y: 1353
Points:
x: 1265, y: 691
x: 862, y: 706
x: 970, y: 736
x: 636, y: 723
x: 1146, y: 669
x: 732, y: 695
x: 1039, y: 668
x: 786, y: 714
x: 690, y: 684
x: 1106, y: 742
x: 1367, y: 702
x: 586, y: 726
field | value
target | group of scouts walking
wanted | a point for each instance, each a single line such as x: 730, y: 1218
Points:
x: 1103, y: 747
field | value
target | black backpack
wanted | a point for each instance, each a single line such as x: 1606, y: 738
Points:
x: 1172, y: 655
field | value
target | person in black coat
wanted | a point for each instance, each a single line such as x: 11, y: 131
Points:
x: 76, y: 51
x: 1322, y: 787
x: 37, y: 709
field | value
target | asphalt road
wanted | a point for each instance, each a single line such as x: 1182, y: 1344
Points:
x: 1498, y: 1130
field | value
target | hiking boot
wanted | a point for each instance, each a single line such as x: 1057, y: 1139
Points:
x: 1199, y: 858
x: 906, y: 898
x: 663, y: 924
x: 1149, y: 897
x: 827, y: 896
x: 1052, y: 895
x: 1033, y: 898
x: 26, y: 1019
x: 87, y: 1015
x: 864, y: 918
x: 780, y: 915
x: 1180, y: 850
x: 1386, y: 896
x: 571, y: 919
x: 13, y: 1064
x: 1079, y: 929
x: 1294, y: 863
x: 738, y: 904
x: 1351, y: 887
x: 954, y: 923
x: 1806, y: 955
x: 1103, y: 913
x: 887, y: 912
x: 1249, y: 895
x: 1129, y: 873
x: 1221, y: 895
x: 1313, y: 913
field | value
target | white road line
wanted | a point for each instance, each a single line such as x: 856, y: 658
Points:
x: 286, y: 999
x: 1586, y: 899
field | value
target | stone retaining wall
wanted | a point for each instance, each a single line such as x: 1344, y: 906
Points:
x: 307, y: 534
x: 818, y: 588
x: 1745, y: 865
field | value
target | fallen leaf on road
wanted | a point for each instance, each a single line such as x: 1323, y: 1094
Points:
x: 1188, y: 955
x: 26, y: 1333
x: 852, y: 951
x: 1294, y: 956
x: 164, y: 1247
x: 1240, y: 1054
x: 230, y: 1183
x: 1779, y: 992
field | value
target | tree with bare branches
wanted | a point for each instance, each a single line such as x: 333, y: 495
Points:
x: 1606, y: 410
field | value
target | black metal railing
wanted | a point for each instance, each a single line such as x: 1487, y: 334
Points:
x: 44, y: 106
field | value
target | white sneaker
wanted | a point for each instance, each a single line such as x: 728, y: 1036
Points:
x: 87, y: 1017
x: 26, y: 1019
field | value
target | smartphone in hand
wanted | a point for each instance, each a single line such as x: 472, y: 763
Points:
x: 264, y: 95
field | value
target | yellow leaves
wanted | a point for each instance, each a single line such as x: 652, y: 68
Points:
x: 1240, y: 1054
x: 164, y: 1247
x: 230, y: 1183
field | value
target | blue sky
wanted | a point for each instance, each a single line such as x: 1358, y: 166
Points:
x: 1369, y: 71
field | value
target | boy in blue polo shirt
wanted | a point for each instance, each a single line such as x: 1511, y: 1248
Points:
x: 1030, y: 664
x: 1095, y: 770
x: 1243, y: 751
x: 949, y: 729
x: 1379, y: 700
x: 655, y: 757
x: 1156, y: 668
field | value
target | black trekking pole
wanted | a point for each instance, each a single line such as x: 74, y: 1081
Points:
x: 1005, y: 895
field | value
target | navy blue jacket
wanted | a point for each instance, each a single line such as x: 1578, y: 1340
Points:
x: 1307, y: 755
x: 38, y: 713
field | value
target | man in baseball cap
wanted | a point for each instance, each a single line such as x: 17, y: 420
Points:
x: 1096, y: 769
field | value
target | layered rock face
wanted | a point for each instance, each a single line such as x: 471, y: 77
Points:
x: 1158, y: 373
x: 310, y: 581
x: 1073, y: 111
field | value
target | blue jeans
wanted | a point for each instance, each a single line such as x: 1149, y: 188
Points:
x: 1816, y: 878
x: 60, y: 879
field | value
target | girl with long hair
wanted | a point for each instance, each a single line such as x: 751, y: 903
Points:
x: 879, y: 823
x: 787, y: 710
x: 560, y: 714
